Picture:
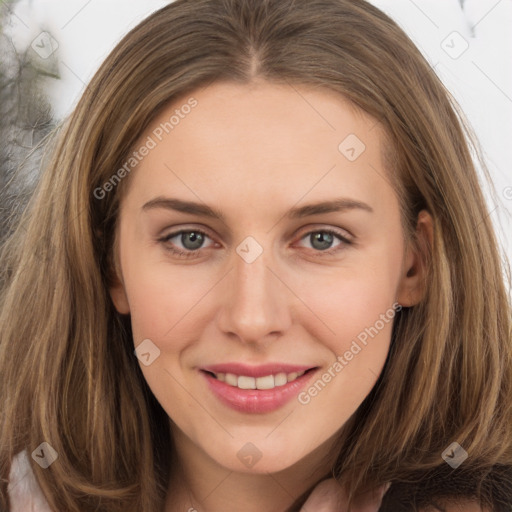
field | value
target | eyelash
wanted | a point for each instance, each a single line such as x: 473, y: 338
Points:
x: 191, y: 254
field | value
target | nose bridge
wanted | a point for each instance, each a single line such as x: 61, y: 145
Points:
x: 256, y: 302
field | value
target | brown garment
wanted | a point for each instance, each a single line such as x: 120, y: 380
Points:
x: 434, y: 491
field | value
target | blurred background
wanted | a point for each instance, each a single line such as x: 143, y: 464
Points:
x: 50, y: 49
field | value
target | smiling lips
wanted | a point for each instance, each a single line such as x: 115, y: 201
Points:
x: 256, y: 389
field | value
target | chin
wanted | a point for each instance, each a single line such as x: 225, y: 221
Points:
x: 253, y: 460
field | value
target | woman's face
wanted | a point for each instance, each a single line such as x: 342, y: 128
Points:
x: 290, y: 260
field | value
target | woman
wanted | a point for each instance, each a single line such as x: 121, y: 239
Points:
x: 260, y: 272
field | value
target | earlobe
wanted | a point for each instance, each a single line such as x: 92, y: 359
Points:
x: 412, y: 286
x: 119, y: 297
x: 115, y: 280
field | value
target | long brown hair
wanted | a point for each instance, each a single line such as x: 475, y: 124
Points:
x: 67, y: 369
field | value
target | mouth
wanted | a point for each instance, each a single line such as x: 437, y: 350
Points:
x: 261, y: 389
x: 270, y: 381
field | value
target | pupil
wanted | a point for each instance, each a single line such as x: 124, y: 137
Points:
x: 324, y: 240
x: 196, y: 240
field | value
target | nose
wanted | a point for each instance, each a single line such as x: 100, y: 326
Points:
x: 255, y: 308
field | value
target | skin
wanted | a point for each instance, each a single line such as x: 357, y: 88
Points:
x: 254, y: 152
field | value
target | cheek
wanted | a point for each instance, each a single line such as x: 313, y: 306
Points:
x: 350, y: 301
x: 355, y: 321
x: 162, y: 296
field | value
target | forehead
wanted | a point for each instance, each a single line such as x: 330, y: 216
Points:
x: 261, y: 140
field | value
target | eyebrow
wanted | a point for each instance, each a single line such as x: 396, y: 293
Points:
x: 335, y: 205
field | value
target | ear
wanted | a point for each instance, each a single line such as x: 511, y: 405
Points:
x: 115, y: 280
x: 119, y: 298
x: 116, y: 288
x: 411, y: 289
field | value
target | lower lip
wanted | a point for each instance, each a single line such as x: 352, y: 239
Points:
x: 256, y: 401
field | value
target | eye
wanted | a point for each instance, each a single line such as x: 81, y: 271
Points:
x: 188, y: 243
x: 322, y: 241
x: 191, y: 241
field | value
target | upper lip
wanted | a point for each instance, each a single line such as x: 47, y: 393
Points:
x: 256, y: 371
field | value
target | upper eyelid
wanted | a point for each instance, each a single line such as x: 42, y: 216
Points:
x: 341, y: 232
x: 347, y: 240
x: 172, y: 234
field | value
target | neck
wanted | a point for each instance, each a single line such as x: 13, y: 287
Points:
x: 199, y: 483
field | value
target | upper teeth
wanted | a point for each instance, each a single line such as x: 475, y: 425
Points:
x: 266, y: 382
